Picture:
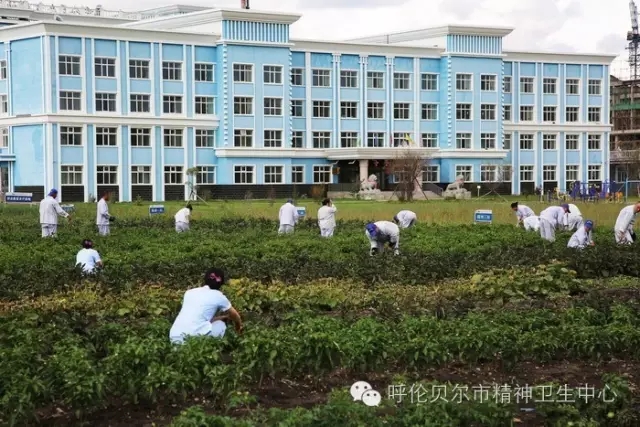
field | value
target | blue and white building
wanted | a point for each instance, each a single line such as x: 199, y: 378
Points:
x: 94, y: 100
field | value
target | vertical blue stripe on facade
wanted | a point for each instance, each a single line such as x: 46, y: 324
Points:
x: 190, y: 148
x: 159, y: 178
x: 89, y: 75
x: 92, y: 162
x: 189, y: 80
x: 124, y: 80
x: 157, y: 84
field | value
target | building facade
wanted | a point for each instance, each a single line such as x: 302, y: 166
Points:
x: 131, y: 103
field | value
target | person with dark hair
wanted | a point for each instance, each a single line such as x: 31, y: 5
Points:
x: 88, y: 258
x: 522, y: 212
x: 49, y: 211
x: 197, y: 316
x: 405, y: 219
x: 103, y: 218
x: 182, y: 218
x: 327, y: 218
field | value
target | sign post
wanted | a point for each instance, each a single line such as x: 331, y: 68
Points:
x: 18, y: 198
x: 156, y: 210
x: 483, y: 216
x: 302, y: 211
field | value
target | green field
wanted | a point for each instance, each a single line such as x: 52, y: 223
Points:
x: 472, y: 325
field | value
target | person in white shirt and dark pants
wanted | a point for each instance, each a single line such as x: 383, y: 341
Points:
x: 88, y: 258
x: 182, y: 219
x: 49, y: 211
x: 405, y: 219
x: 327, y: 218
x: 288, y: 217
x: 103, y: 218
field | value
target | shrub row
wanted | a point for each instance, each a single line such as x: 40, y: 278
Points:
x: 82, y: 365
x: 149, y: 250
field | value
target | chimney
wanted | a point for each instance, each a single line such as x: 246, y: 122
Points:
x: 244, y: 4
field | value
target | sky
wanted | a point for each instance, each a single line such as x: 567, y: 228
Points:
x: 589, y: 26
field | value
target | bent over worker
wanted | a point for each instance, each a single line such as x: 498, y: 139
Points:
x: 624, y: 224
x: 582, y: 237
x: 49, y: 211
x: 327, y: 218
x: 288, y: 218
x: 552, y: 219
x: 521, y: 212
x: 531, y: 223
x: 197, y: 316
x: 405, y: 219
x: 381, y: 233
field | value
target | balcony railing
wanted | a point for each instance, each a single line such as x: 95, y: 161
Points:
x: 625, y: 156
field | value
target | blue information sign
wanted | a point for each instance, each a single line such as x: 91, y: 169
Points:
x: 156, y: 209
x: 68, y: 208
x: 302, y: 211
x: 18, y: 198
x: 483, y: 216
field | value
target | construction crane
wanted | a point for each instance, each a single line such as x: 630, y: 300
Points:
x: 633, y: 37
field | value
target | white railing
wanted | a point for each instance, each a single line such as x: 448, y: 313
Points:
x: 75, y: 10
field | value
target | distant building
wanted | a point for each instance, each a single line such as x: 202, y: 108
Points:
x: 97, y: 100
x: 625, y: 135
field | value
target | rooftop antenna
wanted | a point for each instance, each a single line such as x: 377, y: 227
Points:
x: 244, y: 4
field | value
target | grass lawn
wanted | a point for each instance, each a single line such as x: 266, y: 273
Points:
x: 430, y: 212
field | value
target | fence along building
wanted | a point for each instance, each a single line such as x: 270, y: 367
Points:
x: 128, y: 102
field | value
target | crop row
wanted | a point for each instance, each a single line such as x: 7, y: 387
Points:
x: 82, y: 365
x: 430, y: 408
x: 252, y: 249
x: 553, y: 286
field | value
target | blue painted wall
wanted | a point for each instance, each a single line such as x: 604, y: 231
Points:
x: 28, y: 147
x: 26, y: 69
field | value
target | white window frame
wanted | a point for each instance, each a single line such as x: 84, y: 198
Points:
x: 111, y: 100
x: 594, y: 137
x: 141, y: 171
x: 295, y: 171
x: 464, y: 136
x: 173, y: 137
x: 349, y: 79
x: 297, y: 76
x: 110, y: 133
x: 76, y: 169
x: 375, y: 107
x: 177, y: 101
x: 204, y: 69
x: 402, y: 80
x: 527, y: 169
x: 429, y: 112
x: 245, y: 105
x: 204, y: 103
x: 426, y: 79
x: 549, y: 141
x: 549, y: 173
x: 594, y: 114
x: 297, y: 139
x: 244, y: 135
x: 174, y: 173
x: 174, y: 71
x: 507, y: 84
x: 468, y: 169
x: 572, y: 169
x: 594, y: 168
x: 461, y: 82
x: 74, y: 131
x: 524, y: 109
x: 4, y: 105
x: 571, y: 82
x: 275, y: 138
x: 376, y: 139
x: 107, y: 65
x: 374, y: 78
x: 549, y: 83
x: 321, y: 106
x: 70, y: 62
x: 429, y: 140
x: 527, y: 138
x: 140, y: 67
x: 321, y: 136
x: 525, y: 82
x: 107, y: 171
x: 572, y: 109
x: 207, y: 135
x: 249, y: 169
x: 349, y: 107
x: 488, y: 82
x: 490, y: 110
x: 204, y: 172
x: 431, y: 169
x: 321, y: 169
x: 547, y: 111
x: 243, y: 71
x: 402, y: 111
x: 507, y: 113
x: 349, y: 139
x: 320, y: 77
x: 488, y: 141
x: 575, y: 138
x: 140, y: 134
x: 75, y: 96
x: 281, y: 173
x: 273, y: 106
x: 594, y: 84
x: 272, y: 74
x: 139, y: 99
x: 297, y: 106
x: 461, y: 110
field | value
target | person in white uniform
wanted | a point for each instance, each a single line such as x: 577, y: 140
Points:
x: 88, y: 258
x: 182, y: 218
x: 552, y: 219
x: 49, y: 211
x: 381, y: 233
x: 327, y: 218
x: 103, y: 218
x: 521, y: 212
x: 531, y: 223
x: 624, y: 224
x: 582, y: 237
x: 288, y: 217
x: 572, y: 221
x: 405, y: 219
x: 197, y: 317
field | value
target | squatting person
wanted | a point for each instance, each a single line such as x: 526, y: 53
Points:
x: 582, y: 237
x: 88, y: 258
x: 381, y: 233
x: 183, y: 218
x: 405, y: 219
x: 327, y: 218
x: 49, y: 211
x: 197, y: 316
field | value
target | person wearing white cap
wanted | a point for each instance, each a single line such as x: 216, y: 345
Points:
x: 405, y: 219
x: 381, y: 233
x: 288, y: 217
x: 327, y: 218
x: 531, y: 223
x: 551, y: 219
x: 522, y: 212
x: 582, y: 237
x: 624, y: 224
x: 49, y: 211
